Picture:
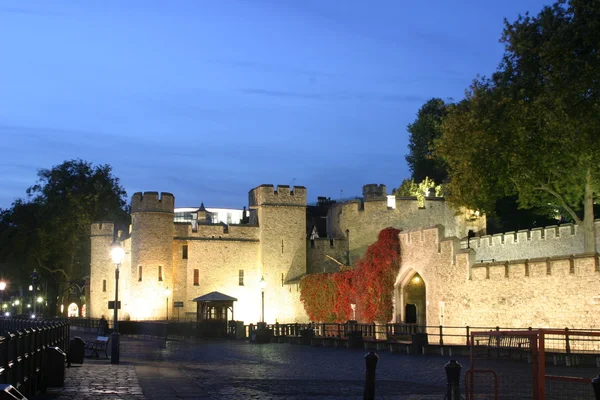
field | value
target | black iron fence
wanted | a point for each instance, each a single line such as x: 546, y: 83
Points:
x: 24, y: 347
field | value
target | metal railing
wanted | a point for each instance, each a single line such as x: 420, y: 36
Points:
x: 23, y: 351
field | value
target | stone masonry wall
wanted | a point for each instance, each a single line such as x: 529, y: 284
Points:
x: 365, y: 223
x: 101, y: 236
x: 152, y: 230
x: 539, y: 242
x: 556, y: 292
x: 319, y: 249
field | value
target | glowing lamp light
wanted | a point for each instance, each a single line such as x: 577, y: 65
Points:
x: 117, y: 253
x: 32, y: 316
x: 4, y: 305
x: 416, y: 279
x: 2, y: 285
x: 17, y: 302
x: 262, y: 283
x: 30, y: 288
x: 167, y: 292
x: 28, y: 305
x: 40, y: 299
x: 7, y: 314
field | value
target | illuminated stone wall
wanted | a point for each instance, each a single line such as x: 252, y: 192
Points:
x: 539, y: 242
x: 365, y: 219
x: 561, y: 291
x: 282, y: 252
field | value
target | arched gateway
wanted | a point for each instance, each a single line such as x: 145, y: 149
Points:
x: 410, y: 299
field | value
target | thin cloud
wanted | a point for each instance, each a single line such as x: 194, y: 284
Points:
x: 14, y: 10
x: 388, y: 98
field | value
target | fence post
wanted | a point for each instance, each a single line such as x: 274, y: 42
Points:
x: 371, y: 364
x: 441, y: 335
x: 596, y: 386
x: 468, y: 336
x: 453, y: 375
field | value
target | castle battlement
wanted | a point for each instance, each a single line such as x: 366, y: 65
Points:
x: 283, y: 195
x: 583, y: 265
x: 325, y: 243
x: 550, y: 241
x: 374, y: 191
x: 152, y: 202
x: 216, y: 231
x: 102, y: 229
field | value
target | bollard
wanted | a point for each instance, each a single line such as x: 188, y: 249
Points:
x: 371, y: 361
x: 596, y: 386
x: 453, y: 375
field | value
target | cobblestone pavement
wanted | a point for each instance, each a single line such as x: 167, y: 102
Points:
x: 202, y: 369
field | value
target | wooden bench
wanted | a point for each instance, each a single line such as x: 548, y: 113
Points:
x: 98, y: 346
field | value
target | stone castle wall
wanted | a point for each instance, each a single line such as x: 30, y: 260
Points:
x: 282, y: 221
x: 549, y: 241
x: 319, y: 249
x: 555, y: 292
x: 364, y: 220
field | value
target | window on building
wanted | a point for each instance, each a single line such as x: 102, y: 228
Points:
x: 104, y: 285
x: 196, y: 277
x: 140, y: 273
x: 241, y: 278
x: 184, y: 252
x: 160, y: 278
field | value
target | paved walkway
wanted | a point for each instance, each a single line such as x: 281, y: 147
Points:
x: 198, y: 369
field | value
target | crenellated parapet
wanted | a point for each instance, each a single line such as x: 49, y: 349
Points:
x: 152, y: 202
x: 102, y: 229
x: 374, y: 191
x: 217, y: 232
x: 548, y: 241
x: 283, y: 195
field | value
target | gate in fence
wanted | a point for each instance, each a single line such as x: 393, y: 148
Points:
x: 533, y: 364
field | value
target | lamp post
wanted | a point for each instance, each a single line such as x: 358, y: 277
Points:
x: 167, y: 293
x: 34, y: 283
x: 117, y: 253
x: 2, y: 287
x: 263, y: 285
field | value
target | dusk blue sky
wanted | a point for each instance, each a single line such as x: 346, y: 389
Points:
x: 208, y: 99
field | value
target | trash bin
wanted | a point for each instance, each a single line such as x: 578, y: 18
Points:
x: 76, y: 351
x: 355, y: 339
x: 418, y: 341
x: 240, y: 330
x: 55, y: 367
x: 8, y: 392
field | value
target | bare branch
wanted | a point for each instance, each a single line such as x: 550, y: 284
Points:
x: 52, y: 270
x: 562, y: 203
x: 335, y: 261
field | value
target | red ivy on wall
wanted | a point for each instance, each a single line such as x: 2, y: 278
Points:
x: 327, y: 297
x: 375, y: 275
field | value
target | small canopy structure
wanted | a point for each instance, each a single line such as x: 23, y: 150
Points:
x: 213, y: 314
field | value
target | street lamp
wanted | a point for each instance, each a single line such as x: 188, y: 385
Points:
x: 117, y: 253
x: 263, y: 285
x: 34, y: 282
x: 167, y: 293
x: 2, y: 287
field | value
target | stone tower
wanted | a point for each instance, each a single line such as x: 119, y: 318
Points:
x: 281, y: 216
x: 151, y: 269
x: 102, y: 271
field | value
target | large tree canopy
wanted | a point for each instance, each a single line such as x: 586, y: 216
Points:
x: 50, y: 229
x: 422, y: 160
x: 532, y: 129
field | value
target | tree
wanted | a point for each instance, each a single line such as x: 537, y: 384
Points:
x: 531, y: 129
x: 422, y: 160
x: 50, y: 230
x: 419, y: 190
